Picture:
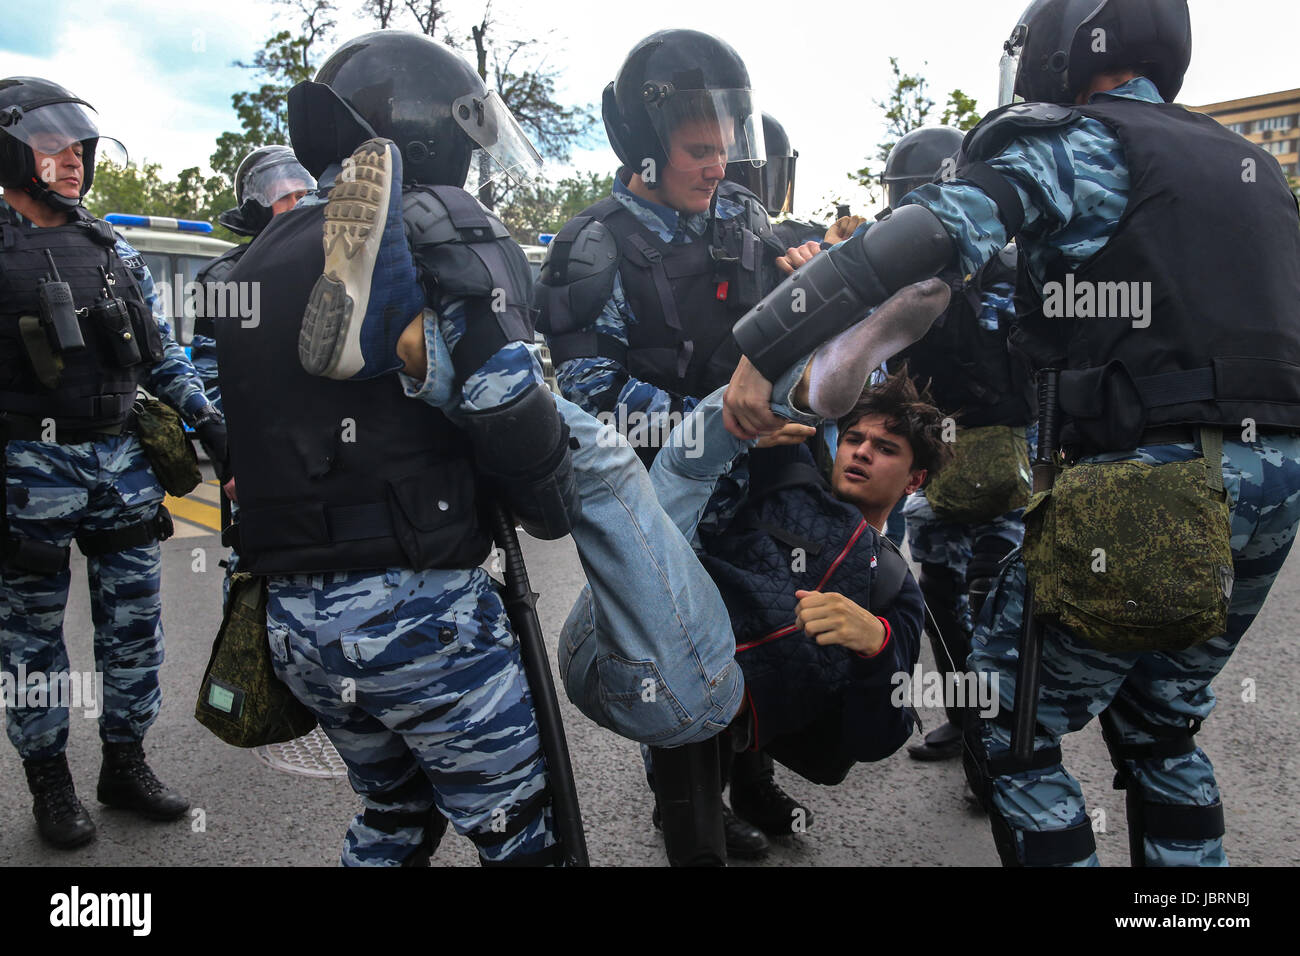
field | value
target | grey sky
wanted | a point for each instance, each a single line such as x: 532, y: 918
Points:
x: 159, y: 73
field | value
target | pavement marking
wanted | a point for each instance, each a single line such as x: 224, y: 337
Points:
x: 199, y: 511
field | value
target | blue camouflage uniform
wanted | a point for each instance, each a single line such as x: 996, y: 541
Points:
x: 57, y: 491
x: 1074, y: 184
x: 203, y: 354
x: 416, y: 677
x: 584, y: 381
x: 934, y: 540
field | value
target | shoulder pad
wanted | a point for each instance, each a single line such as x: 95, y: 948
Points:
x: 755, y: 217
x: 220, y: 268
x: 577, y: 276
x: 1000, y: 127
x: 438, y: 214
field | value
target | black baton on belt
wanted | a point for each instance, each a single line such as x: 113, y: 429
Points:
x: 1029, y: 669
x: 520, y: 602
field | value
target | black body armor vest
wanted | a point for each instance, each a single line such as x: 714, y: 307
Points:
x: 218, y: 270
x: 970, y: 371
x: 1210, y: 240
x: 685, y: 296
x: 333, y: 476
x: 93, y: 391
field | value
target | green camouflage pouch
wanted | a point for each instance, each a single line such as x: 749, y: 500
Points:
x: 988, y: 476
x: 1134, y: 557
x: 170, y: 453
x: 241, y: 700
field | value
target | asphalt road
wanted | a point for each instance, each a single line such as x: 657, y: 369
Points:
x: 896, y: 812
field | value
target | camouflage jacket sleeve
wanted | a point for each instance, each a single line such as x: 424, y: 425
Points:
x: 1073, y: 183
x: 600, y: 384
x: 173, y: 378
x: 506, y: 375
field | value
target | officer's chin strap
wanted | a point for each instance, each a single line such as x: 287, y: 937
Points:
x: 1145, y: 819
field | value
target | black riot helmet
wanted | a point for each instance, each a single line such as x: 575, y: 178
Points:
x: 918, y: 158
x: 682, y: 79
x: 773, y: 181
x: 36, y: 114
x: 413, y: 90
x: 1059, y: 45
x: 266, y: 175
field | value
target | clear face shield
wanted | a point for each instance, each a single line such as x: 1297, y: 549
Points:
x: 504, y: 152
x: 700, y: 128
x: 49, y: 130
x: 272, y: 180
x: 1009, y: 68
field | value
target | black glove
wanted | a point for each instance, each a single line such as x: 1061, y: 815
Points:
x: 211, y: 429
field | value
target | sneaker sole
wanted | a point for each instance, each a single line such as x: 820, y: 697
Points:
x: 329, y: 342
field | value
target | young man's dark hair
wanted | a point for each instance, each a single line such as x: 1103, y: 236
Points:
x: 910, y: 414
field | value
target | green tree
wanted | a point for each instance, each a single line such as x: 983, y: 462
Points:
x: 285, y: 60
x: 545, y: 206
x: 142, y: 190
x: 907, y: 108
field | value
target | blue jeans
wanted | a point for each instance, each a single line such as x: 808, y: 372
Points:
x: 647, y: 650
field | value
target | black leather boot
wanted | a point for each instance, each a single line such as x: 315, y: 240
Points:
x: 688, y: 803
x: 60, y: 817
x: 126, y: 782
x: 942, y: 743
x: 757, y: 797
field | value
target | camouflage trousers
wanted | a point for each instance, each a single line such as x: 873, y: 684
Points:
x: 1168, y: 689
x: 55, y: 492
x: 932, y: 540
x: 417, y: 680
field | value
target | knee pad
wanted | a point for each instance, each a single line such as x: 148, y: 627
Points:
x: 1040, y: 847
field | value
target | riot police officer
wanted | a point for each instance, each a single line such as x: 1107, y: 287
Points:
x: 637, y: 297
x: 773, y: 182
x: 959, y: 539
x: 1200, y: 372
x: 79, y: 334
x: 269, y: 181
x: 363, y: 507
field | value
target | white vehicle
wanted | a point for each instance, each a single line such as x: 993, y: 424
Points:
x: 174, y: 250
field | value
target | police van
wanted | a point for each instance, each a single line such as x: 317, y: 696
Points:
x: 174, y: 250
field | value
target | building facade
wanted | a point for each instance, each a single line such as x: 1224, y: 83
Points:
x: 1271, y: 120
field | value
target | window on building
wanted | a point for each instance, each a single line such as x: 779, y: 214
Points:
x: 1274, y: 122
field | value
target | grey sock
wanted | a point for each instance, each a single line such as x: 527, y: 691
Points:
x: 839, y: 369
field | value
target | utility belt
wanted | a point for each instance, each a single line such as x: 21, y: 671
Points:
x: 15, y: 427
x: 41, y: 557
x: 1135, y: 557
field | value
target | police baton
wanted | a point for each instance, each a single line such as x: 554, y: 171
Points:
x: 521, y: 606
x: 1029, y: 668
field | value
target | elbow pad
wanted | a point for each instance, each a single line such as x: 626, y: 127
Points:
x: 838, y: 288
x: 522, y: 447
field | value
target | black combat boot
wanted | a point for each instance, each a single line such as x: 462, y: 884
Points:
x: 126, y: 782
x: 60, y: 817
x: 756, y: 796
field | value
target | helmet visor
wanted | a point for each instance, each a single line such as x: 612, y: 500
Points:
x: 276, y: 178
x: 504, y: 148
x: 1009, y: 68
x: 699, y: 128
x: 52, y: 129
x: 778, y: 183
